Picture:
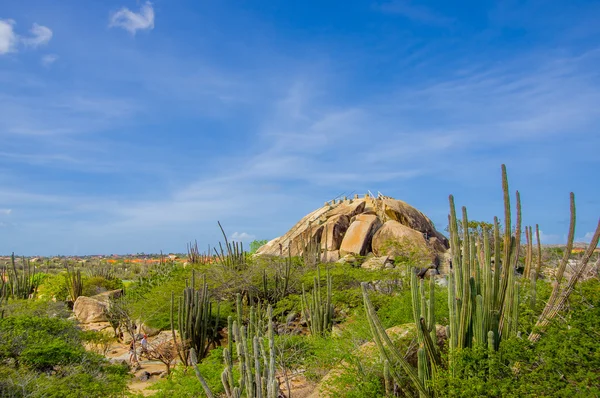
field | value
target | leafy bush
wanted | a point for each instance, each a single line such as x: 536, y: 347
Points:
x: 44, y: 357
x: 98, y: 284
x: 183, y: 382
x: 564, y: 363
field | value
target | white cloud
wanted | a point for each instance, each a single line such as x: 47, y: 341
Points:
x: 131, y: 21
x: 39, y: 35
x: 242, y: 237
x: 49, y: 59
x: 552, y: 239
x: 586, y: 238
x: 8, y: 38
x: 6, y: 211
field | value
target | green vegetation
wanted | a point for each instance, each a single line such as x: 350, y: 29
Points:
x: 42, y: 356
x: 506, y: 320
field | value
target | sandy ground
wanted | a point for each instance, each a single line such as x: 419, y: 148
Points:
x: 120, y: 352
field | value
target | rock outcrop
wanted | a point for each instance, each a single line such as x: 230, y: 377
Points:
x: 89, y: 310
x: 93, y: 309
x: 359, y: 226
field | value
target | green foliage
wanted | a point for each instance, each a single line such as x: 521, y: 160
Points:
x: 53, y: 286
x: 44, y: 357
x: 317, y: 313
x: 256, y: 244
x: 37, y: 308
x: 99, y: 284
x: 406, y: 252
x: 183, y: 383
x: 564, y: 363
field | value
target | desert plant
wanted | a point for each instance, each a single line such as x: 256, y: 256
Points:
x: 74, y: 284
x: 281, y: 280
x: 233, y: 256
x: 196, y: 327
x: 482, y: 299
x: 165, y: 352
x: 317, y: 313
x: 21, y: 285
x: 256, y: 362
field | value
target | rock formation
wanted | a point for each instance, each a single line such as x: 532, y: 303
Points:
x: 93, y: 309
x: 359, y: 226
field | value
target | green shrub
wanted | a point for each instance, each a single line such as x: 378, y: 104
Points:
x: 183, y: 382
x: 98, y: 284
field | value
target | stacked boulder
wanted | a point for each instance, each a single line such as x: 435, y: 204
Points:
x: 358, y: 227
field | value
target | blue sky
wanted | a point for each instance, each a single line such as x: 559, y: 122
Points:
x: 130, y: 126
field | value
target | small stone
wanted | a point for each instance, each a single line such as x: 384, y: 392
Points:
x: 291, y: 317
x: 145, y: 376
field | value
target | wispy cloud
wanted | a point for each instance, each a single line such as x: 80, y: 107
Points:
x: 242, y: 237
x: 414, y: 12
x: 586, y: 238
x: 49, y: 59
x: 8, y: 38
x: 40, y: 35
x: 549, y: 239
x: 131, y: 21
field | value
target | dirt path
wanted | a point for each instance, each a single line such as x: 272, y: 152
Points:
x: 120, y: 352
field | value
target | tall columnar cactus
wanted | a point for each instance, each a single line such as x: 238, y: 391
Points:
x: 196, y: 326
x: 482, y: 298
x: 3, y: 288
x: 21, y: 285
x: 74, y: 284
x: 233, y: 255
x: 560, y: 293
x: 318, y: 313
x: 279, y: 287
x: 256, y: 363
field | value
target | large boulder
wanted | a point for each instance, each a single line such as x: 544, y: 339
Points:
x: 89, y: 310
x: 348, y: 226
x: 358, y: 237
x: 334, y: 230
x: 393, y: 237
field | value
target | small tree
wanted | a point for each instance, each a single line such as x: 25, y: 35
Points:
x: 165, y: 352
x: 256, y: 244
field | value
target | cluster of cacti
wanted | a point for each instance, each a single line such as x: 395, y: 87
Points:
x: 3, y: 287
x: 318, y: 313
x: 21, y: 285
x: 74, y: 284
x: 101, y: 271
x: 279, y: 287
x: 560, y: 293
x: 255, y: 362
x: 195, y: 257
x: 234, y: 257
x: 198, y: 328
x: 482, y: 298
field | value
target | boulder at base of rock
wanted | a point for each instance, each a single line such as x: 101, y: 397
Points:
x: 347, y: 259
x: 391, y: 238
x: 375, y: 263
x: 89, y: 310
x: 331, y: 256
x: 358, y: 236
